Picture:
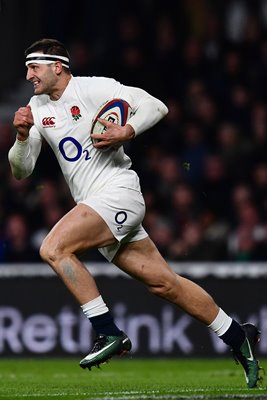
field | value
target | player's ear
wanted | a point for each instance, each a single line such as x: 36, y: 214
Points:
x: 58, y: 67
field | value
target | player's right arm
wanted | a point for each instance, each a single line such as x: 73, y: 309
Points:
x: 26, y: 149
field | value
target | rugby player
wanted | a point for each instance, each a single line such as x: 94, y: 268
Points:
x: 109, y: 204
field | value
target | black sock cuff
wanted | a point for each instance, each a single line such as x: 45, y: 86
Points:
x: 234, y: 336
x: 104, y: 324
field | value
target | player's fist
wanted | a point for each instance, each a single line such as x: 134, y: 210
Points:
x: 23, y: 121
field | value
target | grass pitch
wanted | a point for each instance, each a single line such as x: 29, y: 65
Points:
x: 125, y: 379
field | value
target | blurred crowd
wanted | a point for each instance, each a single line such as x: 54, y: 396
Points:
x: 203, y: 169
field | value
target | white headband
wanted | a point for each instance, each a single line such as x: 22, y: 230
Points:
x: 40, y: 58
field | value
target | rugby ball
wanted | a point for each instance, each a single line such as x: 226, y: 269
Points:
x: 117, y: 111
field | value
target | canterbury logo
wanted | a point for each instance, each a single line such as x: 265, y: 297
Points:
x: 48, y: 121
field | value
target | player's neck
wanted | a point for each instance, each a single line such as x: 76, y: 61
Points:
x: 60, y: 88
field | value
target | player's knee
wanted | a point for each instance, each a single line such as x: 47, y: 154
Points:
x: 50, y: 250
x: 161, y: 288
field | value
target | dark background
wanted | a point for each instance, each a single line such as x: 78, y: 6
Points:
x: 203, y: 168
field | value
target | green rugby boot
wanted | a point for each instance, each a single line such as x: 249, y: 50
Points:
x: 246, y: 356
x: 104, y: 348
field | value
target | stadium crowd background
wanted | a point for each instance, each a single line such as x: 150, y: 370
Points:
x: 203, y: 169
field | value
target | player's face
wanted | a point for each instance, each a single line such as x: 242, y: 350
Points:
x: 43, y: 78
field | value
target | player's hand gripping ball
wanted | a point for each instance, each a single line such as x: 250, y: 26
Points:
x: 117, y: 111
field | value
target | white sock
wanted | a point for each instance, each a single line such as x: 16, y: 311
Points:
x: 94, y: 307
x: 221, y: 323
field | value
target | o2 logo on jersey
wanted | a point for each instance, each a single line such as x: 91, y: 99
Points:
x: 75, y: 150
x: 120, y: 218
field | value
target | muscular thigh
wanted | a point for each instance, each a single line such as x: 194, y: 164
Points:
x: 142, y: 260
x: 80, y: 229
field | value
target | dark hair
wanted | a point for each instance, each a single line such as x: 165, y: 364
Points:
x: 48, y: 46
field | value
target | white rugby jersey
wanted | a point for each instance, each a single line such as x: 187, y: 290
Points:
x: 66, y: 124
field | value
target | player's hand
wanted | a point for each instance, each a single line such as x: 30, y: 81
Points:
x: 114, y: 135
x: 23, y: 121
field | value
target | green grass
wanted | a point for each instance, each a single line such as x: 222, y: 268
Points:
x: 125, y: 379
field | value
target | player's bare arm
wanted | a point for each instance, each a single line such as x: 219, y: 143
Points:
x: 23, y: 121
x: 114, y: 135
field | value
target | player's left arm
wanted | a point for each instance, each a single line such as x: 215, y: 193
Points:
x: 147, y: 111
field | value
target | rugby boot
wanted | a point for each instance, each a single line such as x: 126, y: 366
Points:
x: 104, y: 348
x: 246, y: 354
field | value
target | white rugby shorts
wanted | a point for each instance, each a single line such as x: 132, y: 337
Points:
x: 123, y: 210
